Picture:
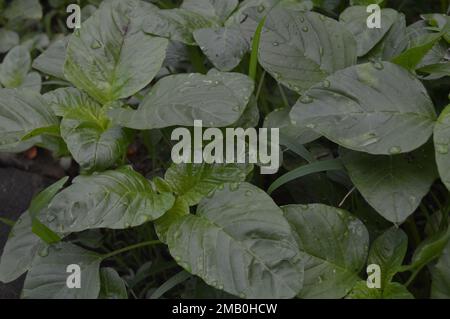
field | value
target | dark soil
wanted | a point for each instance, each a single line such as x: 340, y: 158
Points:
x: 20, y: 179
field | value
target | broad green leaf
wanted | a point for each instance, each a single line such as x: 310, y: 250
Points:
x: 22, y: 111
x: 115, y: 199
x: 48, y: 276
x: 176, y: 24
x: 413, y: 56
x: 300, y: 49
x: 19, y: 250
x: 105, y: 57
x: 289, y: 132
x: 355, y: 20
x: 94, y: 142
x: 239, y: 242
x: 393, y: 290
x: 218, y: 99
x: 8, y: 40
x: 15, y: 67
x: 388, y: 252
x: 334, y: 245
x: 440, y: 284
x: 51, y: 61
x: 214, y: 9
x: 24, y: 9
x: 224, y: 46
x: 32, y: 82
x: 361, y: 108
x: 393, y: 185
x: 111, y: 285
x: 192, y: 182
x: 442, y: 144
x: 162, y: 224
x: 430, y: 249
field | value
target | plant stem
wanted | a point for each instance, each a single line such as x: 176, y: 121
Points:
x: 413, y: 276
x: 128, y: 248
x: 7, y: 221
x: 283, y: 95
x: 260, y: 84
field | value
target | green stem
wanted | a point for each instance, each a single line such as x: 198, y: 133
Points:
x: 260, y: 84
x: 411, y: 225
x: 128, y: 248
x: 283, y: 95
x: 7, y: 221
x: 413, y: 276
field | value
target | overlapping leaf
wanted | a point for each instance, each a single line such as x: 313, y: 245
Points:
x: 116, y: 199
x: 218, y: 99
x: 363, y: 109
x: 110, y: 57
x: 334, y: 245
x: 239, y: 242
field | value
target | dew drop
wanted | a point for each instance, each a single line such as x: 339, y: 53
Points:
x: 275, y: 44
x: 311, y: 126
x: 305, y: 29
x: 293, y: 122
x: 234, y: 186
x: 305, y: 99
x: 302, y: 19
x: 242, y: 295
x: 378, y: 65
x: 261, y: 8
x: 96, y: 45
x: 326, y: 84
x: 395, y: 150
x: 248, y: 193
x: 321, y: 51
x: 442, y: 148
x: 44, y: 251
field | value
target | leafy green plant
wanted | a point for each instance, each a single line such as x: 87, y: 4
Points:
x: 364, y: 123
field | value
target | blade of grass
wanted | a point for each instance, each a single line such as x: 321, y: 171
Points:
x: 255, y: 48
x: 170, y: 283
x: 301, y: 171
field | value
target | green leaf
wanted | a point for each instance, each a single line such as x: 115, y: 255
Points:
x: 440, y: 284
x: 430, y: 249
x: 320, y: 166
x: 162, y: 224
x: 48, y: 276
x: 365, y: 2
x: 355, y: 20
x: 393, y: 43
x: 192, y: 182
x: 8, y: 40
x: 239, y: 242
x: 114, y: 199
x: 24, y: 9
x: 289, y: 132
x: 111, y: 285
x: 441, y: 145
x: 412, y: 57
x: 224, y: 46
x: 435, y: 71
x: 105, y: 57
x: 51, y: 61
x: 388, y: 252
x: 393, y: 290
x: 361, y: 108
x: 215, y: 9
x: 38, y: 204
x: 393, y: 185
x: 21, y: 112
x: 218, y: 99
x: 19, y: 250
x: 334, y: 245
x: 176, y: 24
x: 300, y: 49
x: 15, y: 67
x: 94, y: 142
